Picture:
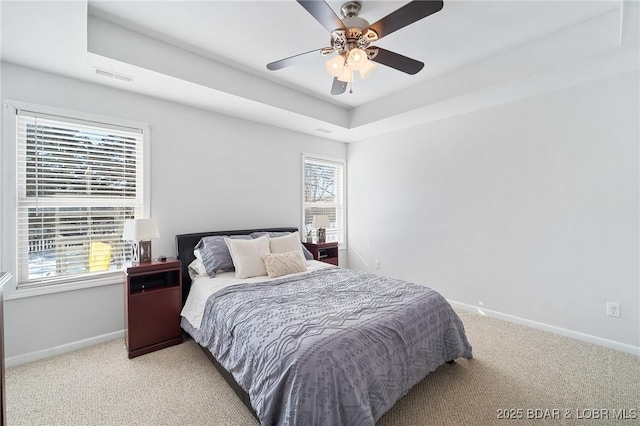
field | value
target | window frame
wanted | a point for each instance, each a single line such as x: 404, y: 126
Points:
x: 342, y: 207
x: 9, y: 244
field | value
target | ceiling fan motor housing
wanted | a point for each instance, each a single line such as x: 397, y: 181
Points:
x: 357, y: 33
x: 355, y: 22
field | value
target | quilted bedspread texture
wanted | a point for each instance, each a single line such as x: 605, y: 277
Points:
x: 334, y: 347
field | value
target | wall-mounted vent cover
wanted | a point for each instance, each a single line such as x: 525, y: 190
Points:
x: 113, y: 74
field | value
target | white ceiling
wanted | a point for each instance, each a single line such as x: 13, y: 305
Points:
x: 213, y: 55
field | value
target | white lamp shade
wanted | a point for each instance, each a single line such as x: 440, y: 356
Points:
x: 320, y: 221
x: 139, y: 230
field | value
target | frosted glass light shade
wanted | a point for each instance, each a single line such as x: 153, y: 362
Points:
x: 335, y: 65
x: 357, y: 59
x: 346, y: 75
x: 366, y: 69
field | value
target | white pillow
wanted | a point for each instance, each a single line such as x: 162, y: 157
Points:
x: 197, y: 269
x: 247, y: 256
x: 286, y: 243
x: 278, y: 264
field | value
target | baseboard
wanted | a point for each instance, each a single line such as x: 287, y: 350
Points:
x: 622, y: 347
x: 58, y: 350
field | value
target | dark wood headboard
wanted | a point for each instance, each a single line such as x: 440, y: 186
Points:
x: 186, y: 242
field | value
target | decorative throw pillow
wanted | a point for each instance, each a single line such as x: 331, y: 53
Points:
x: 305, y: 251
x: 279, y: 264
x: 286, y: 243
x: 247, y: 256
x: 214, y: 253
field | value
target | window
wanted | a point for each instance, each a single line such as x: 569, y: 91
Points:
x: 323, y: 194
x: 77, y: 181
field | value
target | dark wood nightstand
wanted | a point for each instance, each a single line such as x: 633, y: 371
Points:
x: 153, y: 301
x: 325, y: 252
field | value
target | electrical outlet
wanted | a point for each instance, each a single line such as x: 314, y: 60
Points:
x: 613, y: 309
x: 376, y: 264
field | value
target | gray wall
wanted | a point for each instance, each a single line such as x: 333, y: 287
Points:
x: 528, y: 209
x: 208, y: 172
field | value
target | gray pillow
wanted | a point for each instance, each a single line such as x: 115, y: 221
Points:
x: 307, y: 253
x: 214, y: 253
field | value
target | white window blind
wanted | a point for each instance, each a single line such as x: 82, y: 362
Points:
x: 77, y: 182
x: 323, y: 193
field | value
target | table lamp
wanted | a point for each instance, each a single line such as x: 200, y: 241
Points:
x: 321, y: 222
x: 140, y: 232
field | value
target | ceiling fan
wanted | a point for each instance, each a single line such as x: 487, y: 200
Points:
x: 351, y: 39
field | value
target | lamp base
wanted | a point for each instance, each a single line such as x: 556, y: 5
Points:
x: 322, y: 235
x: 140, y: 252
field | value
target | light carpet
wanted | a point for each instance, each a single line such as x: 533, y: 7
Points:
x: 516, y: 372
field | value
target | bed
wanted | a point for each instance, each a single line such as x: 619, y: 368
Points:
x: 325, y: 346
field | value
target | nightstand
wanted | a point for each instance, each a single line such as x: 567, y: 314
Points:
x: 153, y: 301
x: 325, y: 252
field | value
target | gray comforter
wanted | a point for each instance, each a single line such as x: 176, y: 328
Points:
x: 337, y: 347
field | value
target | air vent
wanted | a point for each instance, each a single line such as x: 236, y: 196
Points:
x: 113, y: 74
x: 322, y: 130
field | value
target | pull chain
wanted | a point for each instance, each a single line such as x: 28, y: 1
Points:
x: 351, y: 83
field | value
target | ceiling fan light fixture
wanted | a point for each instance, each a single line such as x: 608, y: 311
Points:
x: 366, y: 69
x: 357, y: 59
x: 351, y: 38
x: 335, y: 65
x: 346, y: 75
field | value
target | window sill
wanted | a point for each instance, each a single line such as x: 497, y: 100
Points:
x: 111, y: 279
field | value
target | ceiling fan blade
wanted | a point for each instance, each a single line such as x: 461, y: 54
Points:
x: 397, y: 61
x: 323, y: 14
x: 338, y: 86
x: 291, y: 60
x: 406, y: 15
